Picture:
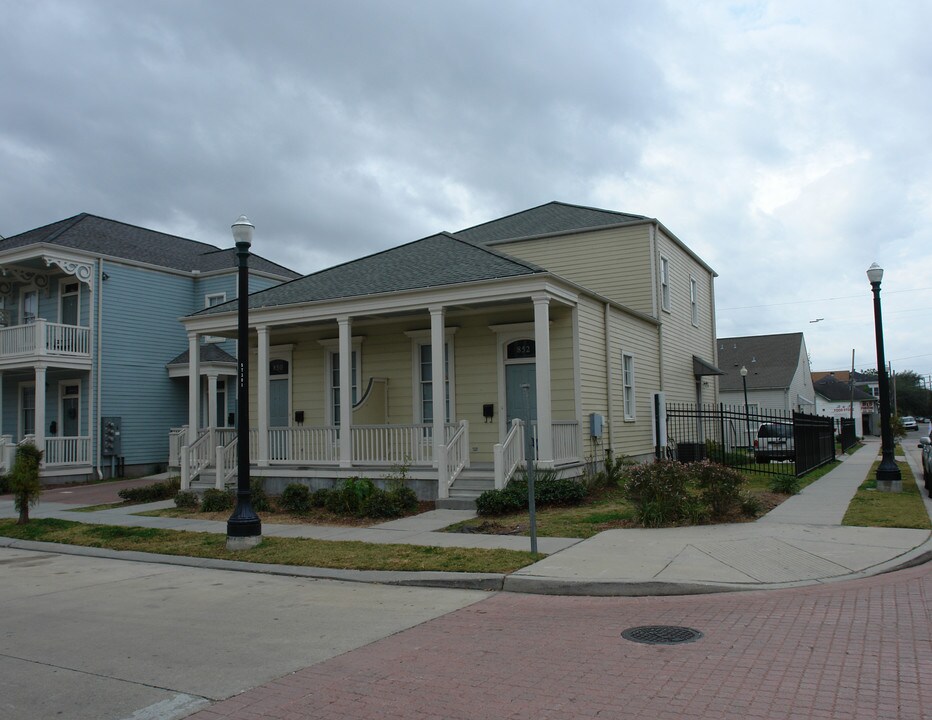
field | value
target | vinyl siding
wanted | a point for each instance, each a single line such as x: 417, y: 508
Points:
x: 635, y: 337
x: 614, y: 263
x: 682, y: 339
x: 141, y: 334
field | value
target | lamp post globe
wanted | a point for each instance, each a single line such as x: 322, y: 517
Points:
x: 244, y: 528
x: 888, y: 476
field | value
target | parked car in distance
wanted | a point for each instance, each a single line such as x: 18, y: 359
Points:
x: 909, y: 422
x: 774, y: 441
x: 925, y: 444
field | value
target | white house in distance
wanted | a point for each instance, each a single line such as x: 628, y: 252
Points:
x: 778, y: 374
x: 836, y: 398
x: 431, y: 354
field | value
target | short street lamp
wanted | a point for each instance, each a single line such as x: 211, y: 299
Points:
x: 888, y: 473
x: 747, y: 417
x: 244, y: 528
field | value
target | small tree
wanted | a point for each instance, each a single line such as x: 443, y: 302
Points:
x: 24, y: 480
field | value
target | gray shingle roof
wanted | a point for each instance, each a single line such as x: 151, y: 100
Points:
x: 110, y: 237
x: 553, y: 217
x: 771, y: 360
x: 433, y: 261
x: 831, y: 388
x: 208, y: 353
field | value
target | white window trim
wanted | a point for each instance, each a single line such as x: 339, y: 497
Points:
x: 665, y: 291
x: 694, y: 300
x: 61, y: 404
x: 626, y: 389
x: 62, y: 283
x: 419, y: 338
x: 207, y: 298
x: 19, y: 406
x: 332, y: 347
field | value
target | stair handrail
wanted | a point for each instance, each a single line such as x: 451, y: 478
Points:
x: 455, y: 456
x: 226, y: 465
x: 195, y: 458
x: 509, y: 454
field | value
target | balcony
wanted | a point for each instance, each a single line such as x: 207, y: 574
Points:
x: 43, y: 340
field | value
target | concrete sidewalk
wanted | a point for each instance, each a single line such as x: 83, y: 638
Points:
x: 798, y: 543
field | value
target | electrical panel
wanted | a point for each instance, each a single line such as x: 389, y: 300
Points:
x: 595, y: 425
x: 111, y: 430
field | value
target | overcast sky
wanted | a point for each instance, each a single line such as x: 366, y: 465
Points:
x: 788, y: 143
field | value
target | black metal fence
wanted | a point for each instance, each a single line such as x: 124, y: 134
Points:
x: 767, y: 441
x: 846, y: 433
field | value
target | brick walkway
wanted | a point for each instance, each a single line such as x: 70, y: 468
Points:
x: 859, y: 650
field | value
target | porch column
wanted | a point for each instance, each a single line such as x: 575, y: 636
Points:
x: 262, y: 394
x: 544, y: 414
x: 346, y: 392
x: 194, y: 386
x: 212, y: 399
x: 438, y: 395
x: 40, y: 408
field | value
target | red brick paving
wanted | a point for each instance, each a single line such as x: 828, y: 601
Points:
x: 859, y: 650
x: 91, y: 494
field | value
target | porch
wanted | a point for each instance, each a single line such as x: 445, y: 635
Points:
x: 43, y: 340
x: 375, y: 451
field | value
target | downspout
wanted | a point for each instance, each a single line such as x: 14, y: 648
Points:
x: 608, y: 378
x: 96, y: 427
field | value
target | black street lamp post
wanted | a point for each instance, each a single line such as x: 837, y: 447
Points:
x: 747, y: 417
x: 888, y: 473
x: 244, y: 528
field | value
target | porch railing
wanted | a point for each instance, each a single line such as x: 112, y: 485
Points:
x: 454, y: 457
x: 509, y: 454
x: 197, y: 457
x: 565, y: 441
x: 226, y: 464
x: 67, y: 451
x: 304, y: 444
x: 44, y: 338
x: 176, y: 440
x: 396, y: 444
x: 7, y: 453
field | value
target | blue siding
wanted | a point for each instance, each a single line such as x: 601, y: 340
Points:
x: 141, y: 335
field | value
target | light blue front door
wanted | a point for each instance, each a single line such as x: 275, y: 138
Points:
x: 516, y: 400
x: 278, y: 402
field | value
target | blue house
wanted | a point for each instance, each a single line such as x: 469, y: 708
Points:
x: 94, y: 363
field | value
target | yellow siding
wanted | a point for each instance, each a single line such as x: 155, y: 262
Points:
x: 639, y: 339
x: 615, y: 263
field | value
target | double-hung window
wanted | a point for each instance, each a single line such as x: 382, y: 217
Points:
x: 665, y: 283
x: 694, y: 300
x: 627, y: 372
x: 210, y: 301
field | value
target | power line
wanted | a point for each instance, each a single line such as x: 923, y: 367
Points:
x: 803, y: 302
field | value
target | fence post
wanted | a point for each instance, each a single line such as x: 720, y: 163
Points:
x: 721, y: 428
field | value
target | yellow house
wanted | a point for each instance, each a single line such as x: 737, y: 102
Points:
x: 435, y: 356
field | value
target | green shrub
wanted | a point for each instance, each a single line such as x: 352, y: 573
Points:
x: 719, y: 487
x: 501, y: 502
x: 403, y: 497
x: 549, y: 490
x: 751, y: 505
x: 785, y: 484
x: 558, y: 491
x: 350, y: 497
x: 215, y: 500
x: 187, y: 499
x: 319, y: 497
x: 658, y: 491
x: 296, y: 498
x: 258, y: 498
x: 24, y: 480
x: 4, y: 484
x: 163, y: 490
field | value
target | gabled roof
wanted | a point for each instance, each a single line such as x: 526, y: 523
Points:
x: 101, y: 236
x: 552, y: 217
x: 833, y: 389
x: 208, y: 353
x: 434, y: 261
x: 771, y: 360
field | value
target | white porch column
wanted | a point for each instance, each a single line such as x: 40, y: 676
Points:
x: 438, y: 393
x: 194, y: 387
x: 262, y: 393
x: 346, y: 392
x: 544, y: 410
x: 40, y: 407
x: 212, y: 399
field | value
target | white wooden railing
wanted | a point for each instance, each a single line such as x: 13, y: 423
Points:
x: 44, y: 338
x: 7, y: 453
x: 67, y: 450
x: 565, y: 441
x: 304, y: 444
x: 396, y: 444
x: 454, y: 458
x: 226, y: 463
x: 176, y: 440
x: 197, y: 457
x: 509, y: 454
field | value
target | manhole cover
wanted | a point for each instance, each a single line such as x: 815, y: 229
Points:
x: 661, y: 634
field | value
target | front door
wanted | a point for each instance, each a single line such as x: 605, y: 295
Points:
x: 70, y: 410
x: 278, y: 402
x: 518, y: 402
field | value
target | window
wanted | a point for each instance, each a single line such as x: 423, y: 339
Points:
x: 29, y: 304
x: 665, y: 283
x: 425, y: 381
x: 69, y: 302
x: 694, y: 300
x: 627, y: 371
x: 335, y: 383
x: 27, y: 406
x: 210, y: 301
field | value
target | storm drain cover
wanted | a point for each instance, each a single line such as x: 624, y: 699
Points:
x: 661, y: 634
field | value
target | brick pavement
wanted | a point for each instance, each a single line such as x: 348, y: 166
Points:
x: 860, y: 650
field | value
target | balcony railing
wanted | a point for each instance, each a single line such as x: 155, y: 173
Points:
x: 43, y: 338
x: 67, y: 451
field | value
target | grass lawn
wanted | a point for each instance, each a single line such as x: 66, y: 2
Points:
x: 883, y: 509
x: 277, y: 551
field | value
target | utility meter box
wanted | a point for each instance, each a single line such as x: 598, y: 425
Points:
x: 595, y: 425
x: 111, y: 432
